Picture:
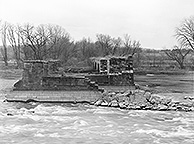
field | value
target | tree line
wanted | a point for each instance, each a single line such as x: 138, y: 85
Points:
x: 45, y: 41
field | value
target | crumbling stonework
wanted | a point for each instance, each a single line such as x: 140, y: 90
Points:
x: 113, y: 64
x: 113, y: 71
x: 45, y: 75
x: 122, y: 79
x: 32, y: 74
x: 142, y: 100
x: 69, y: 83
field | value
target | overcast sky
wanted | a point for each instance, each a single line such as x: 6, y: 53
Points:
x: 152, y: 22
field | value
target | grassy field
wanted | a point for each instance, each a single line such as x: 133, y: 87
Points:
x: 172, y: 86
x: 182, y: 83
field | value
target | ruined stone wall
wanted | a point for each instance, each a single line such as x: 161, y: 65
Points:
x: 53, y: 67
x: 123, y: 79
x: 118, y: 65
x: 65, y: 83
x: 113, y: 70
x: 33, y: 73
x: 45, y: 75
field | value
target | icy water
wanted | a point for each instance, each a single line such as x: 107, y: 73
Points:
x: 36, y: 123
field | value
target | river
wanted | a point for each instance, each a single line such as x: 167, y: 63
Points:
x: 36, y: 123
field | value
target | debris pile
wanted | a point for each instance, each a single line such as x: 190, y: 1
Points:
x: 142, y: 100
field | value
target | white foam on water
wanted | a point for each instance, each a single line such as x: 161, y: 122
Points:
x: 134, y: 114
x: 47, y: 119
x: 55, y: 110
x: 144, y: 112
x: 55, y: 135
x: 102, y: 111
x: 37, y: 118
x: 68, y: 127
x: 79, y: 123
x: 186, y: 121
x: 24, y: 111
x: 180, y: 131
x: 76, y: 125
x: 107, y: 110
x: 147, y: 125
x: 63, y: 110
x: 43, y: 110
x: 8, y: 129
x: 25, y: 114
x: 177, y: 132
x: 152, y: 131
x: 10, y: 111
x: 63, y: 118
x: 39, y: 135
x: 109, y: 125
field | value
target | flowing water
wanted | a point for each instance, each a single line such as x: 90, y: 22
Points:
x: 78, y: 123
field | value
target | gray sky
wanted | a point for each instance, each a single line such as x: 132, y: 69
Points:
x: 152, y: 22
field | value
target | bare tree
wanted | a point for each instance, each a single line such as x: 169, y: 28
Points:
x: 4, y: 42
x: 15, y: 42
x: 69, y: 52
x: 130, y: 46
x: 36, y: 39
x: 185, y: 33
x: 178, y: 54
x: 58, y: 42
x: 104, y: 41
x: 86, y: 48
x: 116, y: 45
x: 108, y: 45
x: 44, y: 41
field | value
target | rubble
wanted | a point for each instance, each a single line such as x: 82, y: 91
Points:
x: 142, y: 100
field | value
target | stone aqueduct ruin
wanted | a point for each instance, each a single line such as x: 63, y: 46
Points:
x: 45, y: 75
x: 39, y: 75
